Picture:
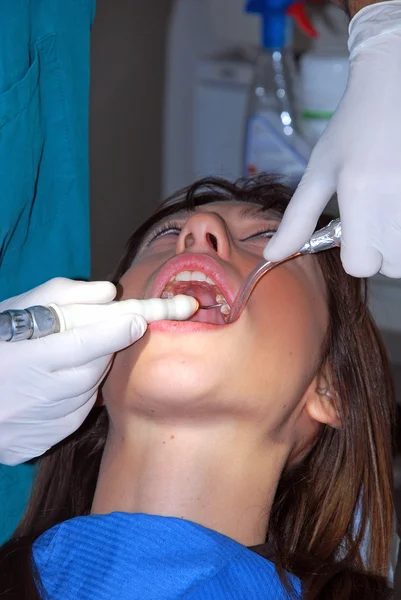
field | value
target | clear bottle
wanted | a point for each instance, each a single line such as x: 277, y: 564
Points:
x: 273, y: 139
x: 324, y: 72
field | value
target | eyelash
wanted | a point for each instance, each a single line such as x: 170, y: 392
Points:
x: 163, y: 230
x: 173, y: 225
x: 258, y: 233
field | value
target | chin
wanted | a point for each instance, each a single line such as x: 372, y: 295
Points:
x: 176, y: 375
x: 162, y: 381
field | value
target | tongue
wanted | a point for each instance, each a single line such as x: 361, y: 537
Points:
x: 205, y: 294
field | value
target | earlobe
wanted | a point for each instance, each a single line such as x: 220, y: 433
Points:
x: 322, y: 403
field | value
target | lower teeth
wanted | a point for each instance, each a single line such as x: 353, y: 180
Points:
x: 225, y: 309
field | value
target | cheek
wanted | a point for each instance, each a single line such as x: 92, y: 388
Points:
x: 135, y: 281
x: 289, y: 319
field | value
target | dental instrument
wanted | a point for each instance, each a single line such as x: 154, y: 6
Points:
x: 324, y: 239
x: 209, y: 306
x: 40, y: 321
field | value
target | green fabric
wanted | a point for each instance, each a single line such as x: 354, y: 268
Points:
x: 44, y: 165
x: 15, y: 484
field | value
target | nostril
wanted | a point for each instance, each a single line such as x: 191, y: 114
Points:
x: 189, y: 240
x: 212, y: 240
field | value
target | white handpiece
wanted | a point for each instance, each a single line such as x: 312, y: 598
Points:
x: 49, y: 385
x: 178, y: 308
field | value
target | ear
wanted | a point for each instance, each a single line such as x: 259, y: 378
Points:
x: 322, y: 401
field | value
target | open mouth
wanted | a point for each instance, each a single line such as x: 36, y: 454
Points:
x: 202, y: 287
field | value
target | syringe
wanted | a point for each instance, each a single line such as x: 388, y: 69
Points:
x: 40, y: 321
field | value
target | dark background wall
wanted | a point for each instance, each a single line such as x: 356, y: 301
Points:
x: 127, y: 95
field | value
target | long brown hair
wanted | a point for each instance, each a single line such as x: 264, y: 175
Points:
x: 312, y: 531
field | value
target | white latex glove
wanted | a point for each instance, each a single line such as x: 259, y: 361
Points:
x: 359, y: 155
x: 49, y: 385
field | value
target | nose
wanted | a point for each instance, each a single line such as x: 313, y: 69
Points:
x: 205, y: 232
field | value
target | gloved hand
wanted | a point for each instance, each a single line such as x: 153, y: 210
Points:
x: 49, y: 385
x: 359, y: 155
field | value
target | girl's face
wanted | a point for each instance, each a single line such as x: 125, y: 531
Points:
x: 258, y: 368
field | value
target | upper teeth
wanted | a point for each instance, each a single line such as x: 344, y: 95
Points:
x: 192, y: 276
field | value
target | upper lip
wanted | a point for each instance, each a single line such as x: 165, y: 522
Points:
x: 194, y: 262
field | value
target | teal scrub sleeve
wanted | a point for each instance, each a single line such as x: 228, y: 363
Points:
x: 44, y: 116
x: 44, y: 173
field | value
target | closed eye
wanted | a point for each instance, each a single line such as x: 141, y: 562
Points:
x: 164, y: 230
x: 174, y: 228
x: 265, y: 233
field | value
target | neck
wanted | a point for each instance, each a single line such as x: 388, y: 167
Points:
x: 220, y: 476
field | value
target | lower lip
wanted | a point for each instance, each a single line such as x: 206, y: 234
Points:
x: 183, y: 326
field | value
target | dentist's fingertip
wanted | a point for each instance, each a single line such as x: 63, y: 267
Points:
x: 277, y: 250
x: 82, y: 292
x: 271, y: 255
x: 361, y: 261
x: 103, y: 289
